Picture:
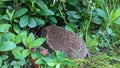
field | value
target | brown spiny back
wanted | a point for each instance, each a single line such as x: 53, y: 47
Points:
x: 58, y: 38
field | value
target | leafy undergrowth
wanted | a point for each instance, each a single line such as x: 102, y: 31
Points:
x: 96, y: 21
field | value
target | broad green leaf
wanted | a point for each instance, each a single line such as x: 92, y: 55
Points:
x: 17, y: 54
x: 69, y: 28
x: 39, y: 61
x: 117, y: 21
x: 10, y: 14
x: 8, y: 36
x: 46, y: 12
x: 58, y: 66
x: 102, y: 14
x: 7, y: 45
x: 51, y: 61
x: 117, y: 13
x: 73, y: 14
x: 39, y: 21
x: 42, y: 5
x: 4, y: 27
x: 96, y: 20
x: 19, y: 38
x: 32, y: 22
x: 16, y: 28
x: 109, y: 30
x: 4, y: 57
x: 20, y: 12
x: 6, y: 17
x: 23, y: 21
x: 34, y: 55
x: 53, y: 19
x: 25, y: 53
x: 30, y: 39
x: 72, y: 2
x: 37, y: 42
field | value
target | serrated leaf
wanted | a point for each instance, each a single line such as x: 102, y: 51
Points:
x: 42, y: 5
x: 4, y: 27
x: 23, y: 21
x: 32, y: 22
x: 37, y: 42
x: 25, y: 53
x: 7, y: 45
x: 39, y: 21
x: 20, y: 12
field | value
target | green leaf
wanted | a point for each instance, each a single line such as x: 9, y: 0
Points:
x: 30, y: 39
x: 19, y: 38
x: 96, y: 20
x: 4, y: 27
x: 39, y: 61
x: 67, y: 27
x: 72, y: 2
x: 51, y: 61
x: 8, y: 36
x: 117, y: 13
x: 34, y: 55
x: 58, y: 66
x: 20, y: 12
x: 17, y: 54
x: 25, y: 53
x: 4, y: 57
x: 32, y: 22
x: 16, y: 28
x: 42, y: 5
x: 23, y: 21
x: 7, y: 45
x: 102, y: 14
x: 10, y: 14
x: 53, y: 19
x: 117, y: 21
x: 37, y: 42
x: 39, y: 21
x: 46, y: 12
x: 6, y: 17
x: 73, y: 14
x: 109, y: 30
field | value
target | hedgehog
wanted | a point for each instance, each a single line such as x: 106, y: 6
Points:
x: 58, y: 38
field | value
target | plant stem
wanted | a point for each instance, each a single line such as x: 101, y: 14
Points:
x: 88, y: 26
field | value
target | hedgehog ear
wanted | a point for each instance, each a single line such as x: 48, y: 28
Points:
x: 43, y: 32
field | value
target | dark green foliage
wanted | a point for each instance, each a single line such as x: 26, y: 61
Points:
x: 96, y: 21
